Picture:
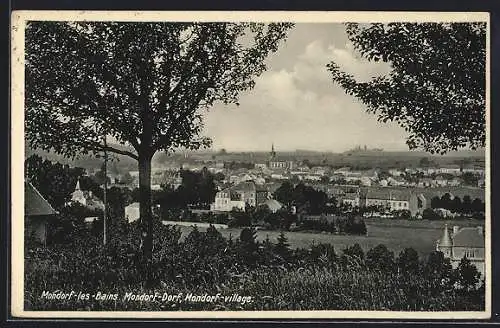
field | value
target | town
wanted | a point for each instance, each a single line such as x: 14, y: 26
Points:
x: 252, y: 166
x: 298, y: 195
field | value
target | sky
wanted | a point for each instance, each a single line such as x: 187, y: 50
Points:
x: 295, y: 104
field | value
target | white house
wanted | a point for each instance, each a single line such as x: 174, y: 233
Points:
x: 226, y: 200
x: 132, y: 212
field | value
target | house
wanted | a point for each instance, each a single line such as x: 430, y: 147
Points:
x: 251, y: 193
x: 352, y: 198
x: 463, y: 242
x: 37, y: 213
x: 273, y: 205
x: 395, y: 199
x: 238, y: 196
x: 132, y: 211
x: 226, y: 200
x: 342, y: 171
x: 395, y: 172
x: 260, y: 166
x: 450, y: 169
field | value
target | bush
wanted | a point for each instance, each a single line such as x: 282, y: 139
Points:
x: 430, y: 214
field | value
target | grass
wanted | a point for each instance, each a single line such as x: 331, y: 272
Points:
x: 395, y: 234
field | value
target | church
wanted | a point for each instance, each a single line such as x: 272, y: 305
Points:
x: 277, y: 164
x: 86, y: 198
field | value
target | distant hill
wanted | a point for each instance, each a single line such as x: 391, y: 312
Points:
x: 84, y: 161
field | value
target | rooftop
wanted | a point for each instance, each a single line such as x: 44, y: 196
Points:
x: 469, y: 236
x: 34, y: 203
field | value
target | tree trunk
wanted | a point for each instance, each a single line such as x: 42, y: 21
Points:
x: 145, y: 208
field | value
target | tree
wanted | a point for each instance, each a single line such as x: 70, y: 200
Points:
x: 354, y: 251
x: 99, y: 177
x: 466, y: 204
x: 430, y: 214
x: 467, y: 275
x: 126, y: 178
x: 436, y: 202
x: 436, y: 88
x: 248, y: 246
x: 284, y: 193
x: 438, y: 272
x: 408, y: 260
x: 446, y: 201
x: 282, y: 248
x: 144, y: 84
x: 380, y: 258
x: 477, y: 205
x: 470, y: 179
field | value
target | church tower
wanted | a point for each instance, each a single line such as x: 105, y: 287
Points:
x: 273, y: 153
x: 78, y: 195
x: 445, y: 244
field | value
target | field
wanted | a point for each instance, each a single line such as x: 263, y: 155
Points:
x: 395, y: 234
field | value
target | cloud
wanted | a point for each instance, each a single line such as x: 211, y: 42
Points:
x: 299, y: 107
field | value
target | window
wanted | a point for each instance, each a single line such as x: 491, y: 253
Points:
x: 469, y: 253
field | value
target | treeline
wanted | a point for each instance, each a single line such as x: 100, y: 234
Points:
x: 457, y: 205
x: 448, y: 206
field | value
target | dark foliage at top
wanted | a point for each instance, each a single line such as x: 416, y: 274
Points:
x: 436, y: 88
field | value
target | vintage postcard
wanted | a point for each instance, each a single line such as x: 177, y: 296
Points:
x: 250, y: 165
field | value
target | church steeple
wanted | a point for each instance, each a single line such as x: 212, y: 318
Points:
x: 77, y: 185
x: 273, y: 153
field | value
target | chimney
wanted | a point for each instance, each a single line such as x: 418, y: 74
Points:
x: 480, y: 230
x: 455, y: 229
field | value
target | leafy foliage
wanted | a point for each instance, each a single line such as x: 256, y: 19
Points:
x: 145, y: 84
x: 142, y: 83
x: 436, y: 88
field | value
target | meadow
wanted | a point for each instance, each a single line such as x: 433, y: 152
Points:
x: 397, y: 235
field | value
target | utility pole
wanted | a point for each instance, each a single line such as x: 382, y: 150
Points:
x: 105, y: 189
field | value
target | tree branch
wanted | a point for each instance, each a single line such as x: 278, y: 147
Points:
x: 99, y: 147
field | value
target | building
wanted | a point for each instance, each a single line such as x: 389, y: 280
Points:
x: 273, y: 205
x: 238, y: 196
x: 352, y: 198
x: 37, y: 213
x: 260, y: 166
x: 78, y: 195
x: 226, y: 200
x: 278, y: 164
x: 392, y: 199
x: 86, y: 198
x: 450, y: 169
x: 395, y: 200
x: 463, y: 242
x: 251, y: 193
x: 132, y: 212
